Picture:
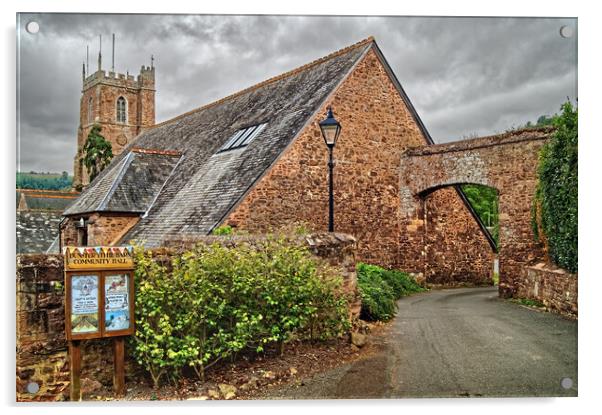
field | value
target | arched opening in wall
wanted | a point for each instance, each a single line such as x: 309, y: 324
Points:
x: 121, y: 117
x: 461, y: 235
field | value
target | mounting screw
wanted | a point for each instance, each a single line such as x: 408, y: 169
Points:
x: 32, y: 27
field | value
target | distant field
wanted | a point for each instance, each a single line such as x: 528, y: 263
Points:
x: 44, y: 181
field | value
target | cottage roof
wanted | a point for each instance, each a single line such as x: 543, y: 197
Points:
x: 36, y: 230
x: 40, y: 199
x: 131, y: 184
x: 176, y: 175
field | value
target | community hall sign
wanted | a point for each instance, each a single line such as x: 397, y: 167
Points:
x: 99, y: 303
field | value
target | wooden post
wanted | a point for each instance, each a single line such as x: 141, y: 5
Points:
x: 75, y: 364
x: 119, y: 366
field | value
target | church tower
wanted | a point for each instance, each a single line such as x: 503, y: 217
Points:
x: 122, y: 105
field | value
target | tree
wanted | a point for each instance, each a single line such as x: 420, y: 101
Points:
x: 484, y: 200
x: 98, y: 152
x: 544, y: 120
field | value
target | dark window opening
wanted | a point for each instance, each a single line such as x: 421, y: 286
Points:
x: 121, y: 110
x: 82, y: 232
x: 82, y: 236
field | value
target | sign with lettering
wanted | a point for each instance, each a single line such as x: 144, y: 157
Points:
x: 99, y: 288
x: 98, y: 257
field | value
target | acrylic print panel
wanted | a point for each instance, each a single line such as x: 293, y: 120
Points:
x: 453, y: 266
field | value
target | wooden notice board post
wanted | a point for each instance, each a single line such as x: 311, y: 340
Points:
x: 99, y: 303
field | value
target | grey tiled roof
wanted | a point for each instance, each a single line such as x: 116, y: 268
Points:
x: 40, y: 199
x: 47, y: 203
x: 36, y: 230
x: 206, y: 183
x: 91, y: 198
x: 130, y: 186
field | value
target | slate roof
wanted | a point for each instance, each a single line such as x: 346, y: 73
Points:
x: 36, y: 230
x: 204, y: 183
x: 131, y: 184
x: 33, y: 199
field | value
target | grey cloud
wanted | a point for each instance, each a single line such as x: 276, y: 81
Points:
x: 464, y: 75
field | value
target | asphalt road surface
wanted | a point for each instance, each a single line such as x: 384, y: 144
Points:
x: 457, y: 343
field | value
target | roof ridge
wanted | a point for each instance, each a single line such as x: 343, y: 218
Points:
x: 126, y: 161
x: 283, y: 75
x: 155, y: 151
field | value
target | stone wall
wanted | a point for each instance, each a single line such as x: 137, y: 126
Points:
x: 552, y: 286
x: 103, y: 228
x: 457, y: 252
x: 41, y: 355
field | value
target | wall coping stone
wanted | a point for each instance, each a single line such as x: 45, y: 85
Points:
x: 512, y: 137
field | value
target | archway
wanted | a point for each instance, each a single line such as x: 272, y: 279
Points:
x: 507, y: 163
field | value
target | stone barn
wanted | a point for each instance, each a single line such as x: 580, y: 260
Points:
x: 256, y: 161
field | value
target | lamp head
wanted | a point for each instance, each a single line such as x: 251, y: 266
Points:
x: 330, y: 128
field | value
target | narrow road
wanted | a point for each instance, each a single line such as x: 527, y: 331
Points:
x: 457, y: 343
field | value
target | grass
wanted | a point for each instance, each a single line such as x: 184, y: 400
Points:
x: 528, y: 302
x: 496, y: 278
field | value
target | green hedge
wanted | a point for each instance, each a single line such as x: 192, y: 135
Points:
x: 218, y: 301
x: 555, y: 205
x: 380, y: 288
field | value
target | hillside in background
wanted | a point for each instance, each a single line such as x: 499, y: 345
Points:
x: 44, y: 181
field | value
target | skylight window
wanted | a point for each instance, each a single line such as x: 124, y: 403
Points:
x: 243, y: 137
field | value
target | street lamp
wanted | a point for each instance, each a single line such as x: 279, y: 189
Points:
x: 330, y: 131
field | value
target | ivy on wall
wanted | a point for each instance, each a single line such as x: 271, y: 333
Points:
x: 555, y: 204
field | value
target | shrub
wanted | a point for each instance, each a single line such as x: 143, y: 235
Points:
x: 217, y: 301
x: 378, y: 298
x: 380, y: 288
x: 555, y: 204
x: 222, y: 230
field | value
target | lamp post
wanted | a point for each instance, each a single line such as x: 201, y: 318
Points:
x: 331, y: 129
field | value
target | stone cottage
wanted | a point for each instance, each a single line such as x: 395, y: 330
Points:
x: 256, y: 161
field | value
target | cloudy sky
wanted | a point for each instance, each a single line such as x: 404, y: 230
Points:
x: 465, y: 76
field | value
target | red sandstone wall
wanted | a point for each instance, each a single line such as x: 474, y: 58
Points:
x: 103, y: 228
x: 554, y: 287
x: 377, y: 127
x: 457, y: 252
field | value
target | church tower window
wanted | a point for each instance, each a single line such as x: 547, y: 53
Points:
x: 121, y: 110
